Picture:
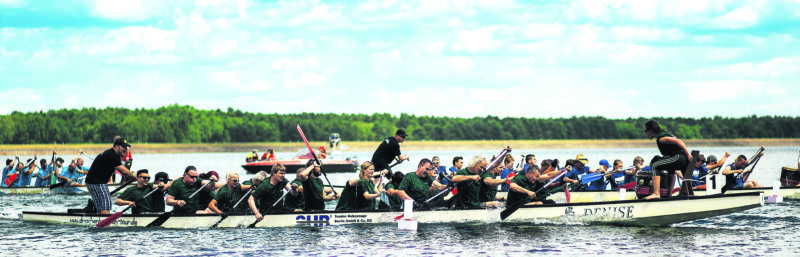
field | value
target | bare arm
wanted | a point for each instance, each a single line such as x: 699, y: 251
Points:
x: 303, y: 175
x: 517, y: 188
x: 213, y: 206
x: 252, y: 203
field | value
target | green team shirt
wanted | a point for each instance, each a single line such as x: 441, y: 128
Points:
x: 395, y: 202
x: 295, y: 202
x: 362, y: 203
x: 227, y: 198
x: 486, y: 192
x: 267, y: 194
x: 347, y: 198
x: 312, y: 192
x: 522, y: 181
x: 135, y: 194
x: 415, y: 187
x: 182, y: 191
x: 470, y: 188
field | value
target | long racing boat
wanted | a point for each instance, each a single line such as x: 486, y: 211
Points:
x: 658, y: 212
x: 76, y: 190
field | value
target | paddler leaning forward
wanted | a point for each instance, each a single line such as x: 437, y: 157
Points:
x: 525, y: 188
x: 182, y: 189
x: 228, y: 196
x: 271, y: 190
x: 470, y: 180
x: 419, y: 186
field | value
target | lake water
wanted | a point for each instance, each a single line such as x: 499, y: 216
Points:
x: 769, y: 230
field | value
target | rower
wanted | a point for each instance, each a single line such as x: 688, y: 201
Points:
x: 315, y: 195
x: 270, y: 191
x: 360, y: 193
x: 487, y: 194
x: 616, y: 176
x: 181, y: 189
x: 133, y: 196
x: 419, y: 186
x: 229, y: 195
x: 527, y: 186
x: 295, y: 199
x: 732, y: 180
x: 395, y: 202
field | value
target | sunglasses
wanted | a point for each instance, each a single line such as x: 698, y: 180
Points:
x: 235, y: 180
x: 145, y: 178
x: 194, y: 177
x: 403, y: 136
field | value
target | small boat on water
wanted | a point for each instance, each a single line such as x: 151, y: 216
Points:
x: 658, y: 212
x: 330, y: 159
x: 76, y: 190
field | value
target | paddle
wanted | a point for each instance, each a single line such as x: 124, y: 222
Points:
x: 510, y: 209
x: 114, y: 217
x: 316, y: 159
x: 225, y: 216
x: 270, y: 209
x: 10, y: 179
x: 165, y: 216
x: 757, y: 157
x: 53, y: 165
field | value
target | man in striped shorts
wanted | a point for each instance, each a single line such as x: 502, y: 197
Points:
x: 100, y: 173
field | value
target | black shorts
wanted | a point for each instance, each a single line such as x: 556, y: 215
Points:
x: 669, y: 164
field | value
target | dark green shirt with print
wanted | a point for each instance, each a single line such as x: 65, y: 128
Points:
x: 469, y: 190
x: 227, y: 198
x: 312, y: 191
x: 295, y: 202
x: 415, y: 187
x: 522, y: 181
x: 182, y: 191
x: 267, y: 194
x: 135, y: 194
x: 487, y: 193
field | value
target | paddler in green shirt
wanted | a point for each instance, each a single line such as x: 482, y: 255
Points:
x: 419, y: 186
x: 527, y: 188
x: 314, y: 192
x: 133, y: 196
x: 489, y: 182
x: 395, y: 202
x: 228, y: 196
x: 271, y: 190
x: 181, y: 189
x: 469, y: 181
x: 360, y: 193
x: 295, y: 199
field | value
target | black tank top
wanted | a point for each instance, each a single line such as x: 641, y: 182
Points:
x: 668, y: 149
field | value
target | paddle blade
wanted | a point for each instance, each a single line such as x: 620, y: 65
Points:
x: 253, y: 224
x: 11, y: 179
x: 160, y: 220
x: 507, y: 212
x: 53, y: 186
x: 510, y: 176
x: 224, y: 216
x: 107, y: 222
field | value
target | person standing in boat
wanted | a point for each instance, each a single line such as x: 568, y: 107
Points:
x: 737, y: 167
x: 418, y: 185
x: 229, y: 195
x: 104, y: 165
x: 389, y: 150
x: 181, y: 189
x: 314, y: 192
x: 528, y: 188
x: 674, y: 152
x: 271, y: 190
x: 133, y: 196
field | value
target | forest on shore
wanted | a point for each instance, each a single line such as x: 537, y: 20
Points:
x: 186, y: 124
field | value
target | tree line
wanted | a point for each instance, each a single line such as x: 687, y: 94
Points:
x: 186, y: 124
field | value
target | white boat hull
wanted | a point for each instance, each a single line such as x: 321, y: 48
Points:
x: 660, y: 212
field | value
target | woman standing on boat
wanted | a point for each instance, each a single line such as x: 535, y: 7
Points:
x: 674, y: 152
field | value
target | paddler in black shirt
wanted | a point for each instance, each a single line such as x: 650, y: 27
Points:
x: 389, y: 150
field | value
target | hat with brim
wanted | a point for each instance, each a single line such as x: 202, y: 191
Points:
x: 121, y: 141
x: 582, y: 159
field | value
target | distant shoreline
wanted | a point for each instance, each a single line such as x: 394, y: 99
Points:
x: 411, y: 145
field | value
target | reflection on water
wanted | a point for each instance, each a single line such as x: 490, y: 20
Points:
x: 770, y: 230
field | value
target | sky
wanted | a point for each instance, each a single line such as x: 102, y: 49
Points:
x: 538, y: 59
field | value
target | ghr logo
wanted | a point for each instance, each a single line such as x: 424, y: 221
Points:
x: 569, y: 211
x: 315, y: 220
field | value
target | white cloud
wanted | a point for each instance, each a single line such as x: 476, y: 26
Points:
x: 475, y: 41
x: 296, y: 64
x: 13, y: 3
x: 304, y: 79
x: 461, y: 64
x: 322, y: 14
x: 742, y: 17
x: 129, y: 10
x: 721, y: 90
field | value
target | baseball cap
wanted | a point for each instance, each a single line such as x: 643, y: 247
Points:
x: 711, y: 158
x: 582, y: 159
x: 401, y: 133
x: 121, y: 141
x: 604, y: 162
